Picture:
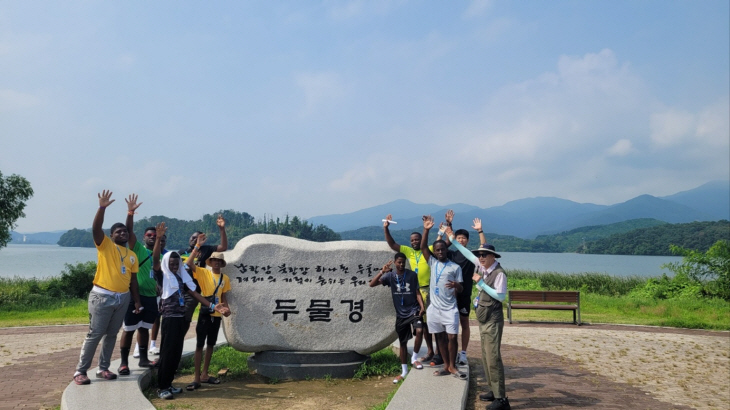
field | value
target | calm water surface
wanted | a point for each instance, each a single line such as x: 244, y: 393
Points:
x: 42, y: 261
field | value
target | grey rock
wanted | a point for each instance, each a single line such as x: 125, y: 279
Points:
x: 292, y: 294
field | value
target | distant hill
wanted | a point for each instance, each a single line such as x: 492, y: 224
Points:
x: 712, y: 198
x: 530, y: 217
x: 403, y: 211
x: 38, y: 238
x: 568, y: 241
x: 656, y: 240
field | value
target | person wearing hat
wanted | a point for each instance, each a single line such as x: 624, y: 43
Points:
x: 213, y: 286
x: 491, y: 281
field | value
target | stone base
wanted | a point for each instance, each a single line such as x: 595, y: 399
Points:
x: 303, y: 365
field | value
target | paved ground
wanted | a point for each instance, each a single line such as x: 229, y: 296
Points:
x: 546, y: 365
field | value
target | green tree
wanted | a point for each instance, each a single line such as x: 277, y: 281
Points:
x: 711, y: 268
x: 14, y: 191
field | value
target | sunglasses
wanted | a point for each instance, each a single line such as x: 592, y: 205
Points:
x: 482, y: 254
x: 150, y: 235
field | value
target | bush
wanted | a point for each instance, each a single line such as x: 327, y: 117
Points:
x: 76, y: 281
x: 598, y: 283
x: 709, y: 270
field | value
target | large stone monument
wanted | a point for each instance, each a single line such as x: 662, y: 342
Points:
x: 305, y: 307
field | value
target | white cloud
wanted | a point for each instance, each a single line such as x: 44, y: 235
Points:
x: 671, y: 127
x: 319, y: 89
x: 621, y: 148
x: 11, y: 100
x: 477, y: 8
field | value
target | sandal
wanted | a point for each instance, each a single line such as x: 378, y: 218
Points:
x: 81, y: 379
x: 106, y: 374
x: 441, y: 373
x: 460, y: 376
x: 426, y: 358
x: 398, y: 379
x: 212, y: 380
x: 417, y: 365
x: 123, y: 370
x: 192, y: 386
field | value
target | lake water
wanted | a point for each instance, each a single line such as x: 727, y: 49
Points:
x: 42, y: 261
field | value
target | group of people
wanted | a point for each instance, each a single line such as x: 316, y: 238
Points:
x: 435, y: 298
x: 138, y: 283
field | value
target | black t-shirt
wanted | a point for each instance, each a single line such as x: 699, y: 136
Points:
x: 467, y: 270
x: 404, y: 290
x: 203, y: 254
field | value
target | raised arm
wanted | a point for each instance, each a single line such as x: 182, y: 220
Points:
x: 466, y: 252
x: 105, y: 199
x: 477, y: 225
x: 377, y: 279
x: 389, y: 239
x: 196, y: 251
x: 449, y: 217
x: 222, y: 229
x: 132, y: 206
x: 157, y: 250
x: 427, y: 225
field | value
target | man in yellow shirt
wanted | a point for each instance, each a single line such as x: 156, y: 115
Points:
x: 419, y: 264
x: 116, y: 275
x: 214, y: 286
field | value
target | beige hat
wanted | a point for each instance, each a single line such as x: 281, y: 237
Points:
x: 487, y: 248
x: 216, y: 255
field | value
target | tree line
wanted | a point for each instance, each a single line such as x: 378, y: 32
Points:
x: 238, y: 225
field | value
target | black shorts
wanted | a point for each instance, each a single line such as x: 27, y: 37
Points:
x: 145, y: 319
x: 406, y: 327
x: 463, y: 303
x: 207, y: 328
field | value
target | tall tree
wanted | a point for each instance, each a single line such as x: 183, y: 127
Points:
x: 14, y: 191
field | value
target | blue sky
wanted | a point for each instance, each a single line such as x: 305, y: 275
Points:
x: 313, y: 108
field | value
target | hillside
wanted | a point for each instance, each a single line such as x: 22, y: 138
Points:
x: 656, y: 240
x: 238, y: 225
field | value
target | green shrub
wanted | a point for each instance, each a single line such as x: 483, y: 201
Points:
x: 381, y: 363
x: 598, y: 283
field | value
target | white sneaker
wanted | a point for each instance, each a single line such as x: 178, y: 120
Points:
x: 154, y: 350
x: 462, y: 358
x: 136, y: 354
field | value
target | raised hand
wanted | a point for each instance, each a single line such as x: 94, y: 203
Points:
x: 220, y: 221
x: 477, y: 225
x: 449, y: 216
x: 449, y: 232
x: 428, y: 221
x: 201, y: 239
x: 105, y: 198
x: 387, y: 219
x: 160, y: 229
x: 387, y: 267
x: 132, y: 204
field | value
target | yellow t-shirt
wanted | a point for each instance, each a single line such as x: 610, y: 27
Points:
x: 115, y: 267
x: 208, y: 281
x: 419, y: 264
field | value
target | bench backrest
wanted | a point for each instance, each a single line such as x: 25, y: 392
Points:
x: 543, y: 296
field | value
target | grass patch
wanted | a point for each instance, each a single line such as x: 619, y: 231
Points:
x: 381, y: 363
x: 224, y: 357
x: 64, y: 312
x: 384, y: 404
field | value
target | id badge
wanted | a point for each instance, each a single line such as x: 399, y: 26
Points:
x: 124, y: 270
x: 181, y: 300
x: 152, y: 275
x: 436, y: 291
x: 416, y: 270
x: 215, y: 300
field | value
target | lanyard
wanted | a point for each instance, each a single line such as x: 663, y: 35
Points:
x: 438, y: 276
x: 126, y: 253
x: 215, y: 292
x: 401, y: 286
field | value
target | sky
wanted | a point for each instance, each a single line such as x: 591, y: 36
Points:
x: 328, y: 107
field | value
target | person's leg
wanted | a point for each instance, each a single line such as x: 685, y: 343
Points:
x: 426, y: 334
x: 153, y: 336
x: 171, y: 350
x: 143, y: 335
x: 212, y: 335
x: 115, y: 323
x: 124, y: 346
x: 491, y: 336
x: 484, y: 338
x: 99, y: 314
x: 418, y: 332
x: 201, y: 334
x: 453, y: 349
x: 465, y: 334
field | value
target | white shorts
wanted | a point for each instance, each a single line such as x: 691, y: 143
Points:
x: 443, y: 320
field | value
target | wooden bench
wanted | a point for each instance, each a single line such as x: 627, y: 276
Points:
x: 557, y: 300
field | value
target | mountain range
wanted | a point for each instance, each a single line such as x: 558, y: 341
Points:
x: 530, y: 217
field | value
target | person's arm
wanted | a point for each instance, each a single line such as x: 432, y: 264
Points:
x: 458, y: 286
x: 195, y: 252
x: 427, y: 225
x: 134, y: 288
x: 105, y: 199
x: 224, y: 303
x: 466, y: 252
x: 449, y: 219
x: 157, y: 249
x: 490, y: 291
x: 478, y: 227
x: 222, y: 229
x: 377, y: 280
x: 388, y: 238
x: 220, y: 308
x: 132, y: 206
